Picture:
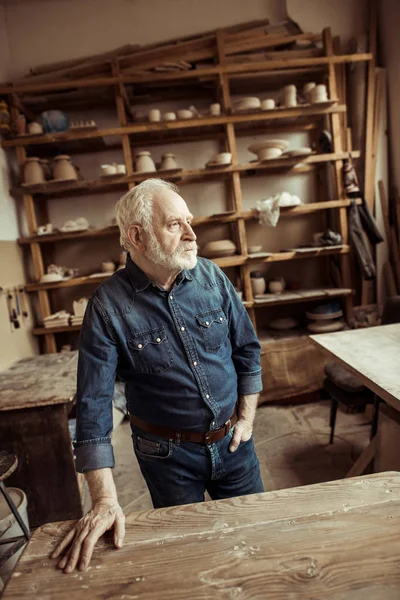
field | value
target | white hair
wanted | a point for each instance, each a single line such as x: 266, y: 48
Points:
x: 136, y: 208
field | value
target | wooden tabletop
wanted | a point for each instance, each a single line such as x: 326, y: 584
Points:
x: 373, y: 354
x: 338, y: 540
x: 39, y: 381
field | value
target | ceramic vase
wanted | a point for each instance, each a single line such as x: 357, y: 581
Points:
x: 168, y: 161
x: 258, y: 284
x: 144, y: 162
x: 63, y: 168
x: 33, y: 172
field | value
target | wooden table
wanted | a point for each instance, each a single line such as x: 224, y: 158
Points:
x: 35, y: 397
x: 336, y: 541
x: 373, y: 355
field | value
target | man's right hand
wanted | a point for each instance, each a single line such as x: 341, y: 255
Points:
x: 78, y: 544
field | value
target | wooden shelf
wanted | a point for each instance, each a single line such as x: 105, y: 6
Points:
x: 266, y: 116
x: 302, y: 209
x: 75, y: 281
x: 297, y: 297
x: 98, y: 186
x: 313, y: 295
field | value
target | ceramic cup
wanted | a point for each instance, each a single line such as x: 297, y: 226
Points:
x: 154, y: 115
x: 307, y: 89
x: 319, y: 93
x: 109, y: 169
x: 215, y: 109
x: 169, y: 116
x: 120, y: 169
x: 268, y: 104
x: 223, y: 158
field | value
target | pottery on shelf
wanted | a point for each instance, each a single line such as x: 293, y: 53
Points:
x: 319, y: 94
x: 54, y: 121
x: 20, y: 125
x: 289, y: 97
x: 79, y: 224
x: 268, y: 104
x: 169, y: 161
x: 47, y: 170
x: 33, y: 172
x: 154, y: 115
x: 35, y: 128
x: 184, y: 113
x: 283, y: 323
x: 109, y: 169
x: 45, y: 229
x: 255, y: 249
x: 215, y: 109
x: 325, y: 326
x: 63, y: 168
x: 258, y: 284
x: 144, y: 162
x: 107, y: 266
x: 249, y: 103
x: 307, y: 89
x: 269, y: 149
x: 277, y: 286
x: 169, y: 116
x: 79, y: 306
x: 218, y: 248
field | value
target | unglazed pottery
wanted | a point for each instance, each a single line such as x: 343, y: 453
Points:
x: 169, y: 161
x: 63, y: 168
x: 33, y: 172
x: 144, y: 162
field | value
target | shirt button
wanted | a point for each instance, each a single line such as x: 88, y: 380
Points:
x: 207, y: 323
x: 182, y: 329
x: 195, y: 363
x: 140, y: 345
x: 207, y: 396
x: 221, y: 319
x: 171, y: 297
x: 158, y: 340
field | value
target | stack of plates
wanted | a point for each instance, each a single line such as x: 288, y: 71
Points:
x: 58, y: 319
x: 76, y: 320
x: 249, y: 103
x: 325, y: 318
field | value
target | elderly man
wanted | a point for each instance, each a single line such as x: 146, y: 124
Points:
x: 173, y: 328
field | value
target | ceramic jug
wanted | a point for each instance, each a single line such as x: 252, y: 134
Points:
x: 258, y: 284
x: 33, y: 172
x: 168, y: 161
x: 63, y: 168
x: 144, y: 162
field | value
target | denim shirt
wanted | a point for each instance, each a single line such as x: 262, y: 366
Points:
x: 185, y: 355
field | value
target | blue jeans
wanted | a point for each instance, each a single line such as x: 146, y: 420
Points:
x: 180, y: 473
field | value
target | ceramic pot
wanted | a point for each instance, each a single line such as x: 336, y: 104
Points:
x: 33, y: 172
x: 276, y: 286
x: 168, y: 161
x: 109, y: 169
x: 121, y: 169
x: 268, y: 104
x: 35, y: 128
x: 258, y: 284
x: 169, y: 116
x: 108, y: 266
x: 144, y: 162
x: 63, y: 168
x: 307, y: 89
x: 215, y: 109
x: 154, y: 115
x: 319, y: 94
x: 223, y: 158
x: 184, y: 113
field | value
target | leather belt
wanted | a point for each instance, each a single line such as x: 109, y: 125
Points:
x: 185, y: 435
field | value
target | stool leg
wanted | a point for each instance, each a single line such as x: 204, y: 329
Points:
x: 14, y: 511
x: 332, y: 420
x: 375, y: 416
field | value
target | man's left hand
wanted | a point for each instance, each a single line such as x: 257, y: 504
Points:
x: 242, y: 433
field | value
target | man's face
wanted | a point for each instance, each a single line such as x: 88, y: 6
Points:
x: 172, y: 244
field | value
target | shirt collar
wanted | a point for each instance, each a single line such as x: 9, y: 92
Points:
x: 139, y: 279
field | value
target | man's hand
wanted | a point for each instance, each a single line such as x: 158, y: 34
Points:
x: 242, y: 433
x: 81, y: 540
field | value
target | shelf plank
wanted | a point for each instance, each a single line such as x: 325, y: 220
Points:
x: 75, y: 281
x: 201, y: 122
x: 302, y: 209
x: 293, y: 164
x: 325, y: 294
x: 296, y: 297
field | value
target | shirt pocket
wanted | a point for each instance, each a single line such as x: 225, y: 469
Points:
x: 151, y: 351
x: 214, y: 328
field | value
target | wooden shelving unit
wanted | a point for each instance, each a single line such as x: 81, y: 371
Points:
x: 224, y: 77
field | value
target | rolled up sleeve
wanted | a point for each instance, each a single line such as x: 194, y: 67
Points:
x: 97, y: 365
x: 246, y: 349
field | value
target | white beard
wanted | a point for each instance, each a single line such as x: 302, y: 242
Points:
x: 180, y: 259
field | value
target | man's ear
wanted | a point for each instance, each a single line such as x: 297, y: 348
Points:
x: 136, y: 237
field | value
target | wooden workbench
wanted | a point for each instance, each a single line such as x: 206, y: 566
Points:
x: 338, y: 540
x: 36, y: 395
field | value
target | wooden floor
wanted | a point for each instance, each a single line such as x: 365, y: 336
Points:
x: 291, y: 443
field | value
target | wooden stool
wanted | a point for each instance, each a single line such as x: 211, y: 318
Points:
x: 8, y: 464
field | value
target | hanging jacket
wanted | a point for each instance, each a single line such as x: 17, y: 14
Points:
x: 357, y: 235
